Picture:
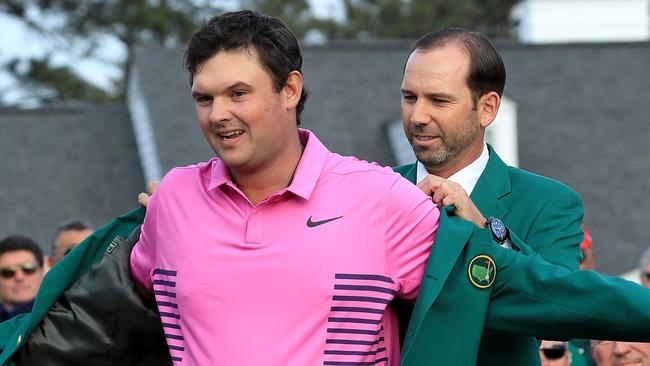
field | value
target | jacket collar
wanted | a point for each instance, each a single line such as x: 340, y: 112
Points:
x: 492, y: 185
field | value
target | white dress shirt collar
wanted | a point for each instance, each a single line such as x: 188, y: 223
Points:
x: 466, y: 177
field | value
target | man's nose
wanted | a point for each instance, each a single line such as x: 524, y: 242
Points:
x: 20, y: 275
x: 219, y: 111
x: 421, y: 113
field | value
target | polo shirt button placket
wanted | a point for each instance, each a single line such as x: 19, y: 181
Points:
x: 253, y: 228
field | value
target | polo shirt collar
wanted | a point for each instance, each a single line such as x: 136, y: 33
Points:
x: 307, y: 172
x: 310, y: 166
x: 220, y: 175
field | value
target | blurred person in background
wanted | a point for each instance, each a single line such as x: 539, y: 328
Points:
x: 587, y: 248
x: 21, y: 272
x: 644, y: 268
x: 554, y: 353
x: 612, y: 353
x: 67, y: 236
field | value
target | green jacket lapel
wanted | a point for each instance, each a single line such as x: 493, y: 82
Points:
x: 450, y: 240
x: 452, y: 235
x: 491, y: 186
x: 449, y: 243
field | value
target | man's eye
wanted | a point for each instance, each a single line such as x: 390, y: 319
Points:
x: 202, y: 99
x: 408, y: 98
x: 238, y: 93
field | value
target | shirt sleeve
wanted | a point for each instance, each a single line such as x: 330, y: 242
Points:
x: 144, y: 252
x: 411, y: 224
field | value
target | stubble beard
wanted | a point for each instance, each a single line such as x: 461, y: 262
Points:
x: 450, y: 147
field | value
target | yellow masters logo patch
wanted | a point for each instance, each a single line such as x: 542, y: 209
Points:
x: 482, y: 271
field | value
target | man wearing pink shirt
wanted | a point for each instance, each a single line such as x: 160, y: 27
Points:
x: 278, y: 252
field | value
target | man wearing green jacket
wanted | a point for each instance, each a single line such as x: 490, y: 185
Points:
x: 451, y: 91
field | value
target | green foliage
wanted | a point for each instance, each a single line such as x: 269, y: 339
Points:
x: 129, y: 20
x: 412, y: 18
x: 79, y: 25
x: 50, y: 84
x: 295, y: 13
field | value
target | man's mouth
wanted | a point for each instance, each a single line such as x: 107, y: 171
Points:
x: 230, y: 135
x: 631, y: 362
x: 424, y: 137
x: 21, y: 288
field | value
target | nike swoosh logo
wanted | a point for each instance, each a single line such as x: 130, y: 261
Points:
x: 317, y: 223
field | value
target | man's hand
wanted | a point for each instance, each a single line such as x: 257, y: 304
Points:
x: 143, y: 198
x: 444, y: 192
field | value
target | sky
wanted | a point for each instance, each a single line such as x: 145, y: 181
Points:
x: 18, y: 40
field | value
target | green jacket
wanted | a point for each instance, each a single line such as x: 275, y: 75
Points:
x: 69, y: 273
x: 541, y: 214
x: 529, y: 297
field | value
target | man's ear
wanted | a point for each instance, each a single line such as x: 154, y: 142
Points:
x: 292, y: 89
x: 487, y: 108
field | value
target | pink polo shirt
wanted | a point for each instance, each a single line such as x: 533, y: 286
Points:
x: 302, y: 278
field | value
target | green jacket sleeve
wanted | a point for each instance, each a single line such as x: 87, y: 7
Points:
x: 536, y: 298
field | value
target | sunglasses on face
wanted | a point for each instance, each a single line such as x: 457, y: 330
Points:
x: 10, y: 271
x: 554, y: 352
x: 646, y: 275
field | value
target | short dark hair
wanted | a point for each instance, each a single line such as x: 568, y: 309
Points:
x: 486, y: 70
x: 76, y: 225
x: 275, y: 44
x: 14, y: 243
